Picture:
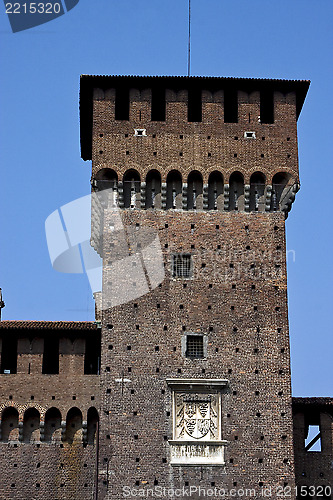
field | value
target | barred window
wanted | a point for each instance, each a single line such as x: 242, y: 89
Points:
x: 194, y: 346
x: 182, y: 266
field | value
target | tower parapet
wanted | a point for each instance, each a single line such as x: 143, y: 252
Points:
x: 231, y: 141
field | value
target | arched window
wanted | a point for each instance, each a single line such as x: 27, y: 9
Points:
x: 9, y: 425
x: 236, y: 191
x: 52, y: 428
x: 279, y: 183
x: 31, y: 431
x: 174, y: 190
x: 194, y: 191
x: 92, y: 426
x: 257, y: 192
x: 74, y: 426
x: 107, y: 186
x: 153, y: 189
x: 215, y: 191
x: 132, y: 188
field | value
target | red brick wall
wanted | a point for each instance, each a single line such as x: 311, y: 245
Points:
x: 33, y: 467
x: 256, y: 407
x: 195, y: 144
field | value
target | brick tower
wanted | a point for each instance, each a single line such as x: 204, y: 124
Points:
x: 200, y: 174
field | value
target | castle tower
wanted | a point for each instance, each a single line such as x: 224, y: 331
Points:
x: 193, y: 179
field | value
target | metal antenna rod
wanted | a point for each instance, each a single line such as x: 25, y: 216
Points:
x: 189, y: 39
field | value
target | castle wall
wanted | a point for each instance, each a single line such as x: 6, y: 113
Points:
x: 48, y: 422
x: 313, y: 464
x: 243, y: 313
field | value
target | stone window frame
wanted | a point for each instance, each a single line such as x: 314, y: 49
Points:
x: 184, y: 345
x: 140, y: 132
x: 181, y: 254
x: 249, y: 134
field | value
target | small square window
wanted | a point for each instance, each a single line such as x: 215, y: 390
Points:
x: 194, y: 346
x: 249, y: 135
x: 182, y: 266
x: 140, y: 132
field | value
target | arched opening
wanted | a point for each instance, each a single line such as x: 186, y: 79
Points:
x: 236, y: 191
x: 174, y: 190
x: 257, y: 192
x: 31, y: 431
x: 74, y: 426
x: 215, y: 191
x: 153, y: 189
x: 132, y: 188
x: 9, y: 425
x: 107, y: 186
x: 92, y: 425
x: 279, y: 187
x: 194, y: 191
x: 106, y: 178
x: 52, y: 428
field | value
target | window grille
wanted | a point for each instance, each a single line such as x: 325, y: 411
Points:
x: 194, y: 346
x: 182, y: 266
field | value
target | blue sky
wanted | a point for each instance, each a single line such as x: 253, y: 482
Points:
x: 40, y: 151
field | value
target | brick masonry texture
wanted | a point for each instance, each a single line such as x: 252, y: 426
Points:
x: 33, y: 467
x: 257, y: 402
x: 278, y: 144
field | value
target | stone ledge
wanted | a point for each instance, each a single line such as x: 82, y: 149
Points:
x: 191, y: 383
x: 194, y: 453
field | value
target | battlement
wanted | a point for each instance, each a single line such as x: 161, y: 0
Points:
x: 193, y: 143
x: 49, y: 348
x: 187, y: 102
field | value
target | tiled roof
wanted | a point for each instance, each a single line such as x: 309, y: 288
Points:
x: 184, y: 77
x: 49, y: 325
